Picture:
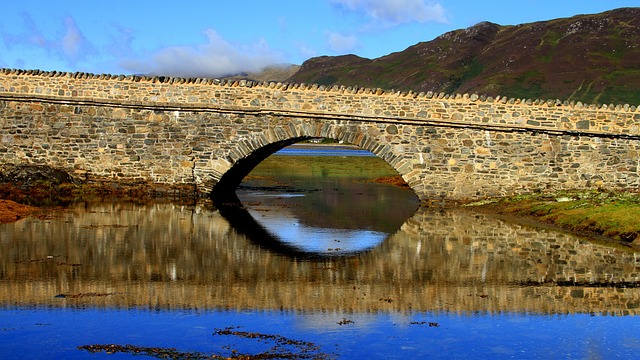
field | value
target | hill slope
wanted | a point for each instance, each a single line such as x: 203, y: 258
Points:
x: 272, y: 73
x: 588, y: 58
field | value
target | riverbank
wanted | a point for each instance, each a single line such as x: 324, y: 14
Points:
x: 612, y: 216
x: 29, y: 198
x: 11, y: 211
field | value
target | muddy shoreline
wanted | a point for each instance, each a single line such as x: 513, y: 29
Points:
x: 11, y: 211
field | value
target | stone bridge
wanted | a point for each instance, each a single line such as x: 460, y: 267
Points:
x: 206, y: 135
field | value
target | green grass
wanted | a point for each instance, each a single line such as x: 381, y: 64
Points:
x: 549, y: 43
x: 326, y: 80
x: 323, y: 166
x: 624, y: 87
x: 527, y: 85
x: 618, y: 220
x: 470, y: 70
x: 615, y: 215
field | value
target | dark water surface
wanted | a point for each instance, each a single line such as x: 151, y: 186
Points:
x: 317, y: 262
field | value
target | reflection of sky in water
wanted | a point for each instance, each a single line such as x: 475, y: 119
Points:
x: 57, y: 334
x: 314, y: 239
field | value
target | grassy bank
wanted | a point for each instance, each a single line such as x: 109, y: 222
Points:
x: 614, y: 215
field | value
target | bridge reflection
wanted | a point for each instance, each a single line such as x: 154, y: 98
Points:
x: 308, y: 247
x: 164, y: 255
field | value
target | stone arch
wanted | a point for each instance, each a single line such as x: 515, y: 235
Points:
x: 253, y: 149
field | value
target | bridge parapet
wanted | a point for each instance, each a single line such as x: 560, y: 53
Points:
x: 465, y: 110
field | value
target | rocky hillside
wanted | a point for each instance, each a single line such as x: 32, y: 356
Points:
x: 588, y: 58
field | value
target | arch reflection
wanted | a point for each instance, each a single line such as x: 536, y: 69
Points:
x: 311, y: 201
x: 271, y: 228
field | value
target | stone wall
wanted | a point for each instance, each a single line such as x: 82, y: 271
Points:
x: 210, y: 133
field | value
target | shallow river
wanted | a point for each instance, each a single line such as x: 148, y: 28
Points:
x: 317, y: 262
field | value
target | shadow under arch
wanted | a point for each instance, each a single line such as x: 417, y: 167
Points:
x: 224, y: 191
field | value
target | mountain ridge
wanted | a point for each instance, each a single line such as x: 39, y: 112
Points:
x: 589, y: 58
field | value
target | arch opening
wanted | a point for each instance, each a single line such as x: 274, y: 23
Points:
x: 314, y: 200
x: 260, y: 147
x: 225, y: 189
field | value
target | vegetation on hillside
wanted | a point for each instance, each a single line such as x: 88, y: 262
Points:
x: 587, y: 58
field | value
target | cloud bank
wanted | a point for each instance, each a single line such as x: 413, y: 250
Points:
x: 395, y: 12
x: 62, y: 43
x: 215, y: 58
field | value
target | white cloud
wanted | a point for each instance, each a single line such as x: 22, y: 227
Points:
x: 72, y: 40
x: 215, y: 58
x: 341, y: 43
x: 120, y: 41
x: 306, y: 52
x: 70, y: 48
x: 394, y: 12
x: 73, y: 46
x: 31, y: 35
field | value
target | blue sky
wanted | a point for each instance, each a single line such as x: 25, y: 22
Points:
x: 214, y: 38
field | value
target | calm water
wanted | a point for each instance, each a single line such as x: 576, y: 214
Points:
x: 317, y: 262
